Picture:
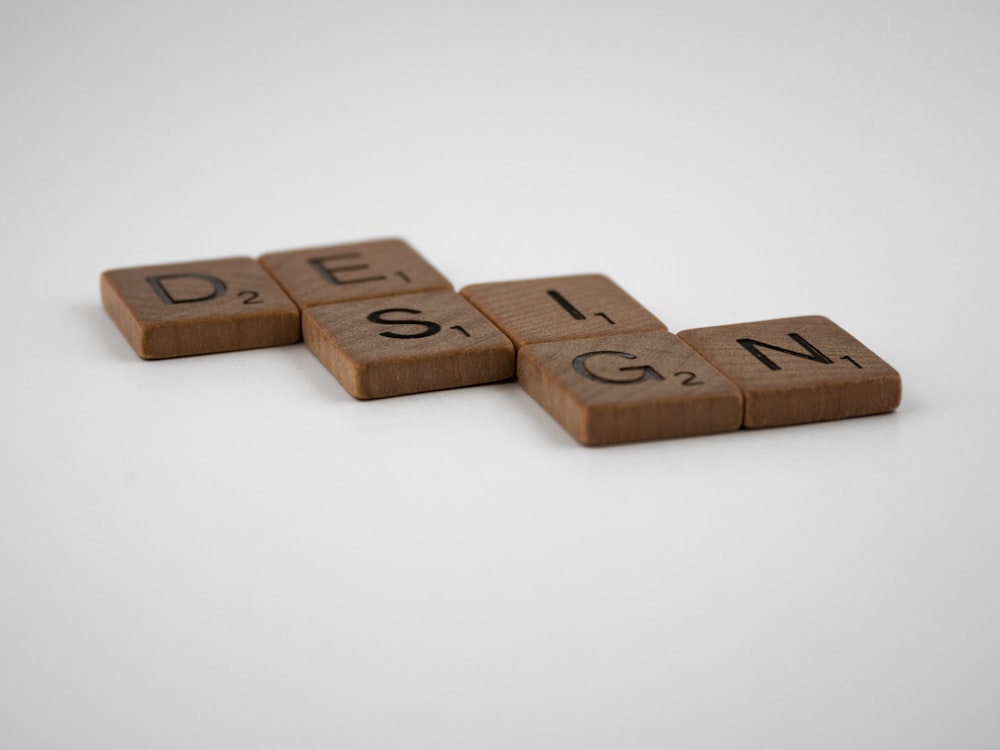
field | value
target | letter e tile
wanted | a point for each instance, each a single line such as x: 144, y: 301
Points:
x: 407, y: 343
x: 362, y: 270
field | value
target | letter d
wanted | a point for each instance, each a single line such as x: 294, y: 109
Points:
x: 218, y: 287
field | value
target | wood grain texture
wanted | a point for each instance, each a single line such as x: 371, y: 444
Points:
x: 796, y: 370
x: 533, y: 311
x: 362, y: 270
x: 620, y: 389
x: 411, y: 343
x: 202, y: 307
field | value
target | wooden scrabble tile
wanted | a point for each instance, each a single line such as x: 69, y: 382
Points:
x: 796, y: 370
x: 409, y: 343
x: 363, y: 270
x: 567, y: 307
x: 619, y: 389
x: 199, y: 308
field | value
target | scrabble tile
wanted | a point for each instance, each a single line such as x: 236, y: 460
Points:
x: 199, y: 308
x: 363, y: 270
x: 408, y: 343
x: 796, y: 370
x: 624, y: 388
x: 567, y: 307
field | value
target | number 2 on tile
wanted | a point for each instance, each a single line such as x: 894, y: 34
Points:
x: 691, y: 378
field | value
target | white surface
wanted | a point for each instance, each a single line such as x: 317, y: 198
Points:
x: 228, y: 551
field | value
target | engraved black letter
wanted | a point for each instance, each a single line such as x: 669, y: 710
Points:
x: 430, y: 328
x: 648, y: 373
x: 330, y: 274
x: 218, y: 287
x: 566, y: 305
x: 573, y: 311
x: 814, y: 354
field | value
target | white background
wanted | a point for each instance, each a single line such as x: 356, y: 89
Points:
x: 229, y: 552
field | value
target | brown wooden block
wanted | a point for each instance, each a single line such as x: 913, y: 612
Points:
x: 566, y: 307
x: 796, y: 370
x: 362, y: 270
x: 200, y: 307
x: 390, y: 346
x: 620, y: 389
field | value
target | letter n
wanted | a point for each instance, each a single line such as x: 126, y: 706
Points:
x: 811, y: 352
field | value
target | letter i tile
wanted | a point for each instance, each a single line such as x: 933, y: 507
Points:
x: 565, y: 307
x: 201, y: 307
x: 796, y: 370
x: 629, y: 387
x: 407, y: 343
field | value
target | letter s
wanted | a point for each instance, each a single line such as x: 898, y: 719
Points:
x: 429, y: 328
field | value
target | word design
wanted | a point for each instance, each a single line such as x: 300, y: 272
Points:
x: 385, y: 323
